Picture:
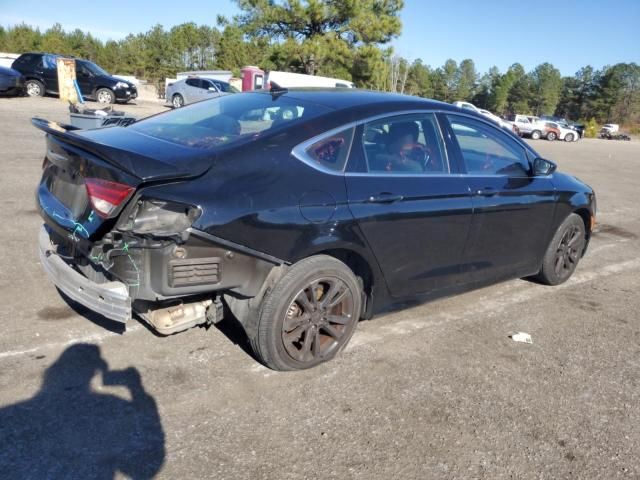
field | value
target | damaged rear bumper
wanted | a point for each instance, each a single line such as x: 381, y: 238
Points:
x: 109, y: 299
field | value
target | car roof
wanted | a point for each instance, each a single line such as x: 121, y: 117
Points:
x: 341, y: 98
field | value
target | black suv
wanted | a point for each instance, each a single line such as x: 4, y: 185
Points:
x: 41, y: 76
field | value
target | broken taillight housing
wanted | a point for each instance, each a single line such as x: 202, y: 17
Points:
x: 160, y: 218
x: 105, y: 196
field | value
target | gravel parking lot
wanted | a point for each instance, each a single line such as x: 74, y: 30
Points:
x: 435, y: 391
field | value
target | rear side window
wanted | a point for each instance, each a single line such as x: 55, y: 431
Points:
x: 193, y: 82
x: 330, y: 152
x: 487, y: 151
x: 228, y: 119
x: 26, y: 60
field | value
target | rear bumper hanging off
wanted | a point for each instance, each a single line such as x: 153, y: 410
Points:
x: 109, y: 299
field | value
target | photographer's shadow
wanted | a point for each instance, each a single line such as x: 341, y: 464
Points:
x: 67, y: 430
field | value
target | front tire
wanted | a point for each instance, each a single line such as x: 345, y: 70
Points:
x: 34, y: 88
x: 535, y: 135
x: 309, y: 315
x: 177, y: 100
x: 105, y: 96
x: 569, y: 137
x: 564, y: 252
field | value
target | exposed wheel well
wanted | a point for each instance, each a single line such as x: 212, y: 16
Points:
x: 358, y: 265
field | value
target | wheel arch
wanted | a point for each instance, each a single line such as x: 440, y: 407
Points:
x: 362, y: 265
x: 585, y: 214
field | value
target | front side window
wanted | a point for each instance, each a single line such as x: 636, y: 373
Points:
x: 49, y: 62
x: 407, y: 144
x: 95, y: 69
x: 486, y: 151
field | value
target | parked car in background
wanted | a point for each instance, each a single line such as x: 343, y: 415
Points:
x: 491, y: 116
x: 11, y: 82
x: 566, y: 134
x: 194, y: 89
x: 303, y: 223
x: 40, y: 72
x: 563, y: 122
x: 551, y: 131
x: 527, y: 127
x: 610, y: 128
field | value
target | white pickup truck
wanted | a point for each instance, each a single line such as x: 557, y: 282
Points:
x: 528, y: 125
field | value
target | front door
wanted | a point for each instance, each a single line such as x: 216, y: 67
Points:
x: 410, y: 203
x: 513, y: 209
x: 85, y: 79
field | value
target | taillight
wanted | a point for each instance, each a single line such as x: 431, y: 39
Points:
x: 105, y: 195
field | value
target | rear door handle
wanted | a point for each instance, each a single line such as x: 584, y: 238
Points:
x: 385, y: 197
x: 486, y: 191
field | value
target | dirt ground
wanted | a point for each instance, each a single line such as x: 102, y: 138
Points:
x: 434, y: 391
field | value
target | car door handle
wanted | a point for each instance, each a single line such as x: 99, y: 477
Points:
x: 486, y: 192
x: 385, y: 197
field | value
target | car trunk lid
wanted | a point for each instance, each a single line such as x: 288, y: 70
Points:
x: 88, y: 176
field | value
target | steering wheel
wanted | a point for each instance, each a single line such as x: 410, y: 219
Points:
x: 415, y: 152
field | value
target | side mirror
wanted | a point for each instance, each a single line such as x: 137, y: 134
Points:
x: 542, y: 167
x: 212, y: 89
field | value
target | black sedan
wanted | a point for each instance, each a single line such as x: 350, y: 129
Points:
x: 299, y: 212
x: 11, y: 82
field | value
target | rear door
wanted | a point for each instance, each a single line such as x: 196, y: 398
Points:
x: 192, y: 90
x: 513, y: 209
x: 50, y: 73
x: 411, y: 203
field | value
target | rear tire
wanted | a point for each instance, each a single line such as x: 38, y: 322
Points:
x: 309, y: 315
x: 105, y: 96
x: 177, y: 100
x: 564, y: 252
x: 535, y: 135
x: 34, y: 88
x: 551, y: 136
x: 569, y: 137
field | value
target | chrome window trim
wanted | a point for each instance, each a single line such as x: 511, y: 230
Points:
x: 299, y: 151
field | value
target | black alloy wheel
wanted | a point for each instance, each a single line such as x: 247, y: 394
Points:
x: 564, y: 251
x: 309, y: 315
x: 317, y: 320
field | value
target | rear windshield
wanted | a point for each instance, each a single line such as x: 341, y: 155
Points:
x: 228, y: 119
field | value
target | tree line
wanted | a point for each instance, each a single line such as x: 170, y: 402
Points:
x: 348, y: 40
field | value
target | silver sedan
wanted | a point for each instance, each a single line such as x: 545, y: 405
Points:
x: 195, y: 89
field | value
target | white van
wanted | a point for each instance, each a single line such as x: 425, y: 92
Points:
x: 290, y: 80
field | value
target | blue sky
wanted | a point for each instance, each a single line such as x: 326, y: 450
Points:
x: 567, y: 33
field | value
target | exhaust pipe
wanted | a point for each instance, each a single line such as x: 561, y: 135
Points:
x: 177, y: 318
